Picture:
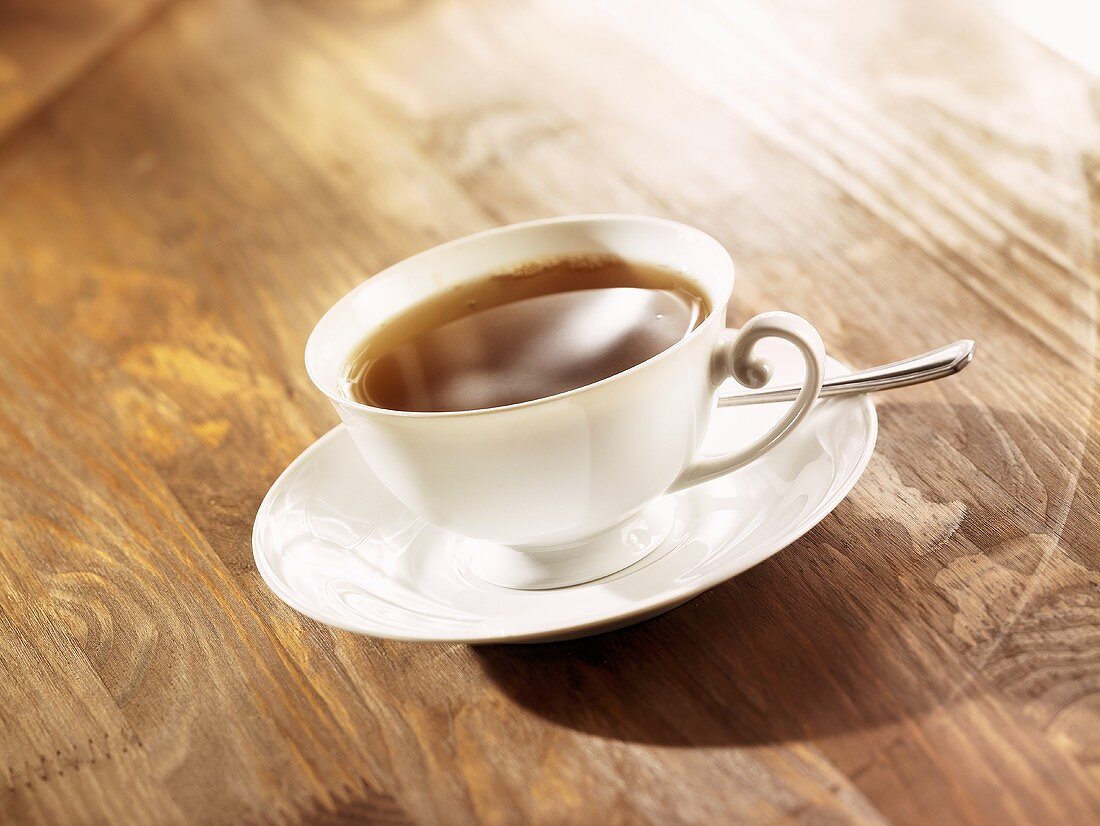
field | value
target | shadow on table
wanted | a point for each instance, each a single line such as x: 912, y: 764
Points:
x: 751, y: 661
x: 845, y: 630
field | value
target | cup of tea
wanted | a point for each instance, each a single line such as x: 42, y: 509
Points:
x: 538, y: 388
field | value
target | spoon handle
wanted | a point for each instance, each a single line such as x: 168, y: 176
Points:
x: 926, y: 367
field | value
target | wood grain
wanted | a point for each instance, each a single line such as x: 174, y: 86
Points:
x: 44, y: 47
x: 185, y: 188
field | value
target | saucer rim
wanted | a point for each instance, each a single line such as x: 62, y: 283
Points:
x: 655, y: 605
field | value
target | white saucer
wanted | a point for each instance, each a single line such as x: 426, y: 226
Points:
x: 332, y: 543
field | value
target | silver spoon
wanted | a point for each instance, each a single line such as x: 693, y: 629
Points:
x: 930, y: 366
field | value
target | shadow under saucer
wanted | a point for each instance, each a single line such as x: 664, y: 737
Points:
x: 775, y: 655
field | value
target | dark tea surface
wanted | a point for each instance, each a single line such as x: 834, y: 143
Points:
x: 528, y: 333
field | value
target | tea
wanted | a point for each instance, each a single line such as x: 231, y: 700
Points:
x: 534, y: 331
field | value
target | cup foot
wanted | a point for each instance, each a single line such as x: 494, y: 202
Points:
x: 594, y: 557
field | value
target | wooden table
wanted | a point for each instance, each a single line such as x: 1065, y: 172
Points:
x: 185, y: 187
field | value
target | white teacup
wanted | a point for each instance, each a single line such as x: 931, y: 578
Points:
x: 551, y: 486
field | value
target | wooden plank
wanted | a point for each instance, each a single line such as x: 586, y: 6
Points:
x: 46, y: 46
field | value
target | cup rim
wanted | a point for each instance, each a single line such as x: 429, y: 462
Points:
x: 718, y: 306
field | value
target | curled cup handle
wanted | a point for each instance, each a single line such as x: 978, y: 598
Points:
x: 734, y: 357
